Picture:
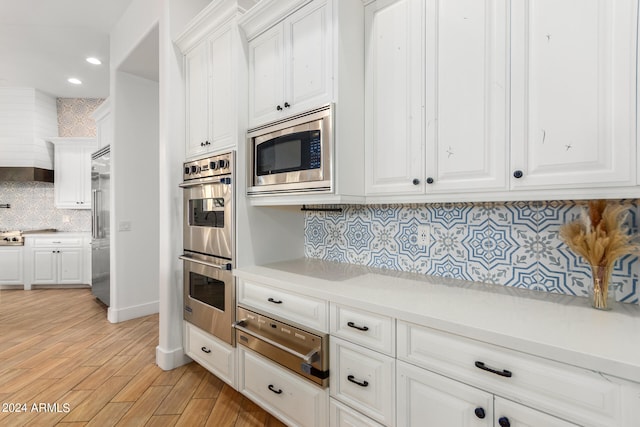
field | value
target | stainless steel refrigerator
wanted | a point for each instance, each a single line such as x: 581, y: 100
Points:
x: 100, y: 244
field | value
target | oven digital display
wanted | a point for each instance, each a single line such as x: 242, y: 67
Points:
x: 207, y: 212
x: 207, y: 290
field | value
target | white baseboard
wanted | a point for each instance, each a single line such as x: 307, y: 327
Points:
x: 171, y: 359
x: 117, y: 315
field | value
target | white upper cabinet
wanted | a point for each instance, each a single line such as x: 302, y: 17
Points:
x: 303, y: 55
x: 482, y: 99
x: 104, y: 124
x: 197, y: 79
x: 573, y: 93
x: 436, y: 80
x: 290, y: 66
x: 466, y: 107
x: 72, y: 172
x: 394, y: 97
x: 215, y: 73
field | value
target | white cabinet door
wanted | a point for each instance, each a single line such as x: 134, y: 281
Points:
x: 289, y: 397
x: 363, y: 379
x: 70, y: 263
x: 573, y: 93
x: 301, y: 309
x: 221, y: 104
x: 512, y: 414
x: 266, y: 76
x: 45, y: 266
x: 394, y: 92
x: 343, y: 416
x: 467, y: 98
x: 197, y: 88
x: 436, y: 110
x: 215, y: 355
x: 11, y: 266
x: 309, y: 50
x: 428, y: 399
x: 67, y: 175
x: 290, y: 66
x: 72, y: 175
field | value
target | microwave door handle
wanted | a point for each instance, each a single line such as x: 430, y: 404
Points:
x: 226, y: 266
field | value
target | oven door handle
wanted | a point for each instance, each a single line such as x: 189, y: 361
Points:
x: 226, y: 266
x: 225, y: 180
x: 309, y: 358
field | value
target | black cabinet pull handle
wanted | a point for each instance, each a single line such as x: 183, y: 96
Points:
x: 518, y: 174
x: 354, y: 326
x: 415, y: 181
x: 503, y: 373
x: 429, y: 180
x: 504, y: 422
x: 279, y: 391
x: 279, y: 108
x: 287, y: 105
x: 480, y: 413
x: 205, y: 349
x: 361, y: 384
x: 274, y: 301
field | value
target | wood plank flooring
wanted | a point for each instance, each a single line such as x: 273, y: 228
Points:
x: 59, y: 353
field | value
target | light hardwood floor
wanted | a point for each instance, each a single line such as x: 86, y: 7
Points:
x: 58, y: 349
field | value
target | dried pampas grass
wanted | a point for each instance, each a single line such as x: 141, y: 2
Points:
x: 600, y: 237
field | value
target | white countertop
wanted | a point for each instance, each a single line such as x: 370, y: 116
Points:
x: 557, y: 327
x: 44, y: 233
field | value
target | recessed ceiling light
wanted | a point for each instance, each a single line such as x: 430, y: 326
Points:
x: 94, y: 61
x: 74, y: 81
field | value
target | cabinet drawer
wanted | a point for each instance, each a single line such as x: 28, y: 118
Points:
x: 294, y: 400
x: 364, y: 380
x: 54, y: 242
x: 300, y: 309
x: 568, y: 392
x: 216, y: 356
x: 343, y: 416
x: 371, y: 330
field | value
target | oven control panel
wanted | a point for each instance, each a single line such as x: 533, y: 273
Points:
x: 208, y: 167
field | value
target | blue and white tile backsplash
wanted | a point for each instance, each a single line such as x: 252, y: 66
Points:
x: 512, y: 244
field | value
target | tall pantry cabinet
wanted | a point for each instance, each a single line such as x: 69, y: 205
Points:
x: 492, y: 97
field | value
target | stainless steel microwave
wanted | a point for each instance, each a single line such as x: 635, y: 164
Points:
x: 292, y: 155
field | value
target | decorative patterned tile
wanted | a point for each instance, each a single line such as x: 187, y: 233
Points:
x: 33, y: 208
x: 513, y: 244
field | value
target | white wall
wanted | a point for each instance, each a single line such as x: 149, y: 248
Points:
x: 135, y: 156
x: 134, y: 153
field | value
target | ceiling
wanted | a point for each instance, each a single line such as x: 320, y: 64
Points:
x: 45, y: 42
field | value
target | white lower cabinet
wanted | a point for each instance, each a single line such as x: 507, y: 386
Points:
x: 11, y: 266
x: 289, y: 306
x: 554, y: 391
x: 295, y: 401
x: 343, y: 416
x: 511, y: 414
x: 363, y: 379
x: 56, y: 261
x: 216, y: 356
x: 428, y: 399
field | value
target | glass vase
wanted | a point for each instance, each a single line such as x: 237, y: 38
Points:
x: 602, y: 298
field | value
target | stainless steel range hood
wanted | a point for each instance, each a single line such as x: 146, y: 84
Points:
x: 25, y: 174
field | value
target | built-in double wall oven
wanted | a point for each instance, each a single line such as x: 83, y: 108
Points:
x: 209, y: 291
